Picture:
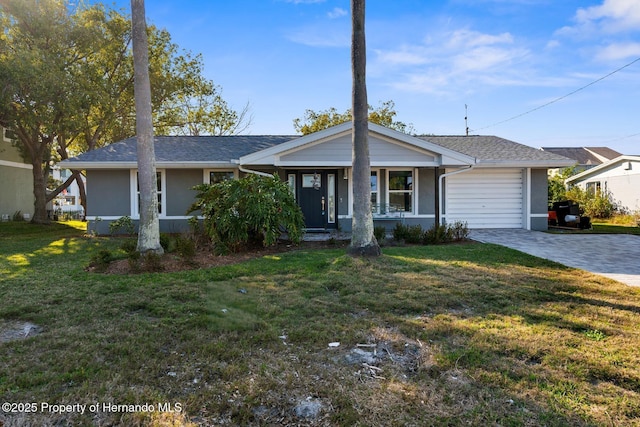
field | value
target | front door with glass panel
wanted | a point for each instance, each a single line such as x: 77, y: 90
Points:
x: 316, y: 195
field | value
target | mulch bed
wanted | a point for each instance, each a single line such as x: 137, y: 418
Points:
x: 206, y: 258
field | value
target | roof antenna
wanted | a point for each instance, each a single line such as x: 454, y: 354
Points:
x: 466, y: 125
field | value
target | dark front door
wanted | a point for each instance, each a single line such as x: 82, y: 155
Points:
x: 316, y: 199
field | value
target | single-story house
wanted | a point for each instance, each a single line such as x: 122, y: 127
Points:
x: 619, y: 177
x: 486, y: 181
x: 16, y: 176
x: 584, y: 157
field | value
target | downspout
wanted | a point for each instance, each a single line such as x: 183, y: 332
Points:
x: 241, y: 169
x: 440, y: 192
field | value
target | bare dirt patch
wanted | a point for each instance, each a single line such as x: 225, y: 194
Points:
x: 17, y: 330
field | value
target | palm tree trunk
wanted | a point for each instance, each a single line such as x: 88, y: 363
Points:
x: 363, y: 241
x: 149, y: 226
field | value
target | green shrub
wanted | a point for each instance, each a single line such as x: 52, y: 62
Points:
x: 124, y: 224
x: 17, y: 216
x: 165, y: 242
x: 598, y: 204
x: 133, y: 258
x: 408, y: 233
x: 129, y: 246
x: 251, y: 209
x: 437, y: 234
x: 186, y: 247
x: 380, y: 233
x: 459, y: 231
x: 400, y: 232
x: 102, y: 259
x: 152, y: 262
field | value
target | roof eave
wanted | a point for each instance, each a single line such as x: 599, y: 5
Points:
x: 134, y: 165
x: 523, y: 163
x: 596, y: 169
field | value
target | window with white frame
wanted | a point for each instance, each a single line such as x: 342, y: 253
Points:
x: 216, y: 176
x: 291, y: 181
x: 160, y: 191
x: 400, y: 190
x: 375, y: 200
x: 593, y: 188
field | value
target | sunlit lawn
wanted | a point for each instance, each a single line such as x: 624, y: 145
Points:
x: 466, y: 334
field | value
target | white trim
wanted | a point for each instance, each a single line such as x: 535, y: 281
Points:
x: 598, y: 168
x: 310, y: 163
x: 539, y: 215
x: 133, y: 186
x: 255, y: 172
x: 421, y: 216
x: 113, y: 218
x: 67, y: 164
x: 272, y: 155
x: 17, y: 165
x: 440, y: 188
x: 527, y: 199
x: 206, y: 174
x: 414, y: 187
x: 377, y: 172
x: 512, y: 164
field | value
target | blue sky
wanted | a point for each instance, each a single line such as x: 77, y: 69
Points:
x: 504, y: 59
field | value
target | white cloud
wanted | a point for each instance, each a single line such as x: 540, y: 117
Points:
x: 618, y: 51
x: 467, y: 38
x: 453, y: 62
x: 321, y: 35
x: 612, y: 16
x: 337, y: 12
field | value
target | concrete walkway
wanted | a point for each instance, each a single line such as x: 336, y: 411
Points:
x: 616, y: 256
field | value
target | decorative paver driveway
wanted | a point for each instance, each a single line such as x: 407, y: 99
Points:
x: 616, y: 256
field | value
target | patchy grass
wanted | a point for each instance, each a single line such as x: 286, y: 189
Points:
x: 612, y: 228
x: 455, y: 335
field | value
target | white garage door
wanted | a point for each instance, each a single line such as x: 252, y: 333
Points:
x: 485, y: 198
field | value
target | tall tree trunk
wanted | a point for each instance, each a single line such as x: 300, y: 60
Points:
x: 363, y: 241
x: 149, y: 226
x: 39, y: 193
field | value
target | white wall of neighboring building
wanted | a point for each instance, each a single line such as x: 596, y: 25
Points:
x: 16, y: 177
x: 619, y: 177
x: 69, y: 199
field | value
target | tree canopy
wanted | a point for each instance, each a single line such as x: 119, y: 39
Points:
x: 66, y: 84
x: 384, y: 115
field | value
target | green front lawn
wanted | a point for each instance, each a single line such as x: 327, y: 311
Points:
x: 457, y: 335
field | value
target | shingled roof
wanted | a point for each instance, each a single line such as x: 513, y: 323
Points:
x: 492, y: 149
x: 215, y: 149
x: 585, y: 156
x: 227, y: 150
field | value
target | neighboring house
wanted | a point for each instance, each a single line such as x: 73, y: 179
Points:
x: 584, y: 157
x: 68, y: 201
x: 16, y: 179
x: 619, y: 177
x: 487, y: 181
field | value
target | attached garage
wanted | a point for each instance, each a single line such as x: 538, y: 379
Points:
x: 486, y: 198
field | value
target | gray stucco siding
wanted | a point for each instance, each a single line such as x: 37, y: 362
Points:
x: 539, y: 191
x: 427, y: 191
x: 180, y: 195
x: 108, y: 192
x: 343, y: 194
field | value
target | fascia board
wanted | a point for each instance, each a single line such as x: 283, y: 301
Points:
x: 523, y: 164
x: 597, y: 169
x: 268, y: 156
x: 134, y: 165
x: 457, y: 157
